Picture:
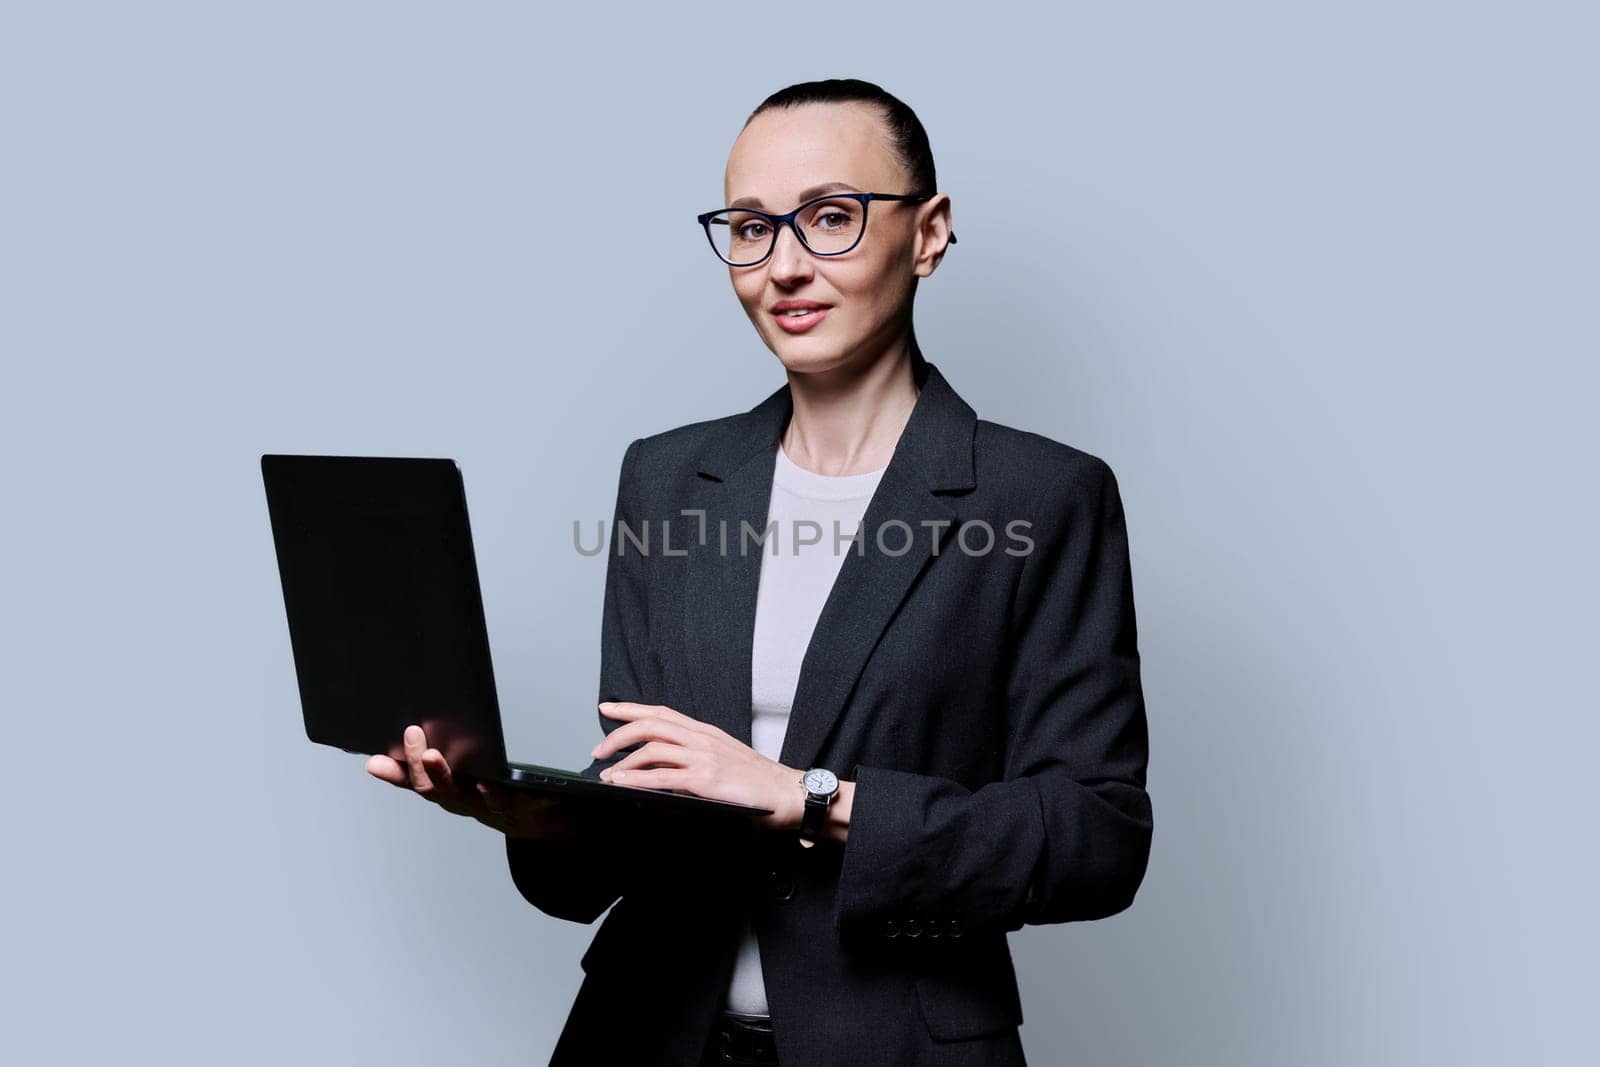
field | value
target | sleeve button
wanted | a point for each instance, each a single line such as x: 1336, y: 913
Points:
x: 955, y: 927
x: 913, y: 928
x: 891, y: 928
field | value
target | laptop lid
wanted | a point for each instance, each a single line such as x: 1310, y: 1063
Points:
x: 385, y: 612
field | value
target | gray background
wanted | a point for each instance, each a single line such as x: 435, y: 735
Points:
x: 1318, y: 282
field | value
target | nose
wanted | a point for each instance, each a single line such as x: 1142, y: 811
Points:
x: 790, y: 262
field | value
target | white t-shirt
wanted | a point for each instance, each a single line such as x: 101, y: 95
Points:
x: 796, y: 579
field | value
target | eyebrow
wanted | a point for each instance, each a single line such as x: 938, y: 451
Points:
x: 811, y: 193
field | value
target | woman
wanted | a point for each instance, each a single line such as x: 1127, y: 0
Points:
x: 944, y: 715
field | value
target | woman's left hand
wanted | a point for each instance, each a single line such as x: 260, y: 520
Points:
x: 683, y: 753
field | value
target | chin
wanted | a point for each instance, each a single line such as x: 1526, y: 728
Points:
x: 803, y: 359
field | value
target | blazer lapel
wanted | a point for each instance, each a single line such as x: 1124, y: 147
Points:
x: 719, y: 597
x: 932, y: 459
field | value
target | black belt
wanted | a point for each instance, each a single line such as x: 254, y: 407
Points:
x: 740, y: 1039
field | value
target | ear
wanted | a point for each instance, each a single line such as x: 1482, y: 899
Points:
x: 932, y: 236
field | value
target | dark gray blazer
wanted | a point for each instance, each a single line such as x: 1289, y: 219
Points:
x: 987, y: 704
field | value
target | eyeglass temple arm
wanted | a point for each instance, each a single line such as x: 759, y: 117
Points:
x: 917, y: 198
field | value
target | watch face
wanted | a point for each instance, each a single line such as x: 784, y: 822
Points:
x: 821, y: 780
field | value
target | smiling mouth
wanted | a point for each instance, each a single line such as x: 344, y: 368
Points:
x: 800, y: 320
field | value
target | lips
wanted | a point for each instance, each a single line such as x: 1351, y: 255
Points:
x: 798, y: 316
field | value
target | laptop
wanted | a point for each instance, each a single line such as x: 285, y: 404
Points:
x: 386, y: 622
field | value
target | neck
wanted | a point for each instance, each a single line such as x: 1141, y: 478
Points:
x: 848, y: 421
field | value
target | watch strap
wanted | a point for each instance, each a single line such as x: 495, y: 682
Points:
x: 811, y: 822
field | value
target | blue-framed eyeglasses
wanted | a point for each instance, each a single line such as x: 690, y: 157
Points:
x: 827, y: 226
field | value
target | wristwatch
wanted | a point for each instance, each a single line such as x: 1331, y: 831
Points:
x: 821, y: 786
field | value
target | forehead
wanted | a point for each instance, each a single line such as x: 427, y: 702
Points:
x: 785, y: 151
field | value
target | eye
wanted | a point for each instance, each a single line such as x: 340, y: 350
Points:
x: 754, y: 230
x: 833, y: 218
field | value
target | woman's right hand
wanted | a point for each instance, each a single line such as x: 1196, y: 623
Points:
x: 511, y: 811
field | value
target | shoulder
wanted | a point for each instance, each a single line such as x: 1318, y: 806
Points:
x: 1066, y: 497
x: 1028, y: 468
x: 658, y: 469
x: 661, y: 454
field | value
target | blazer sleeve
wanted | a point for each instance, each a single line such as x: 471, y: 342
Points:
x: 1066, y: 834
x: 580, y: 878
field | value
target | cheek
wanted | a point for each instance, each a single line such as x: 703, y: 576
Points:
x: 748, y: 290
x: 869, y: 292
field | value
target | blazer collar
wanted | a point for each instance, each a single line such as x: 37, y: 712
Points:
x: 937, y: 440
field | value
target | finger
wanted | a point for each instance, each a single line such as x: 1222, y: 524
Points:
x: 655, y: 778
x: 645, y: 730
x: 654, y: 754
x: 438, y: 770
x: 629, y: 711
x: 387, y: 769
x: 415, y: 744
x: 493, y: 800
